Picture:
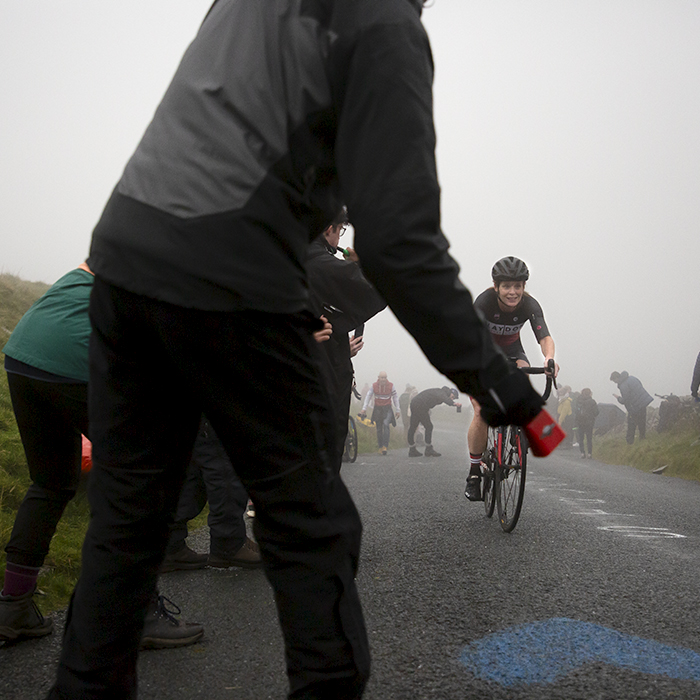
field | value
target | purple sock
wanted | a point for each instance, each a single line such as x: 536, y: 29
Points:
x: 19, y: 579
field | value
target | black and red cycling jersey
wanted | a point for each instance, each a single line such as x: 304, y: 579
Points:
x: 505, y: 326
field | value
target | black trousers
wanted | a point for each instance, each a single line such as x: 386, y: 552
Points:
x: 211, y: 477
x: 418, y: 417
x: 383, y: 417
x: 50, y: 417
x: 154, y: 368
x: 585, y: 432
x: 636, y: 420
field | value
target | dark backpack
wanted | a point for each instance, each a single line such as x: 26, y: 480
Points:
x: 587, y: 410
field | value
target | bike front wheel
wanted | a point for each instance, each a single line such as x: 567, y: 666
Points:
x: 351, y: 441
x: 488, y: 476
x: 510, y: 477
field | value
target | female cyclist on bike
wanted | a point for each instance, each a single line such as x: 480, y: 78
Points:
x: 506, y: 308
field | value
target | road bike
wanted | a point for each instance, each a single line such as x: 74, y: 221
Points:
x: 505, y: 464
x: 350, y: 453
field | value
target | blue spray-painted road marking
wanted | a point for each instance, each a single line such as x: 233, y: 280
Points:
x: 544, y: 652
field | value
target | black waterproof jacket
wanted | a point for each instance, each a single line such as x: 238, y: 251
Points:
x: 279, y: 112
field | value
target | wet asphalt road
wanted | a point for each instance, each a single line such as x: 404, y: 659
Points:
x: 601, y: 556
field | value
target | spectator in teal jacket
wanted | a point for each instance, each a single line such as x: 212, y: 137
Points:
x: 46, y: 360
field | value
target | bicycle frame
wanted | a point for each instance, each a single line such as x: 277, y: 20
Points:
x: 506, y: 464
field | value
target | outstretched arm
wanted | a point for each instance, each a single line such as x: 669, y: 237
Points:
x: 547, y: 346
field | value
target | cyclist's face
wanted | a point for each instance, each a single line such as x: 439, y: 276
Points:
x: 510, y: 293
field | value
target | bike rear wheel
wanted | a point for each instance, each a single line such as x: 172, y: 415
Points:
x: 490, y: 460
x: 510, y: 477
x: 351, y: 441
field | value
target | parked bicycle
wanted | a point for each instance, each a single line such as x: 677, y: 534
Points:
x: 505, y: 464
x: 350, y: 454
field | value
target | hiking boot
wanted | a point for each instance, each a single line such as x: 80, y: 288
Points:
x: 382, y: 451
x: 163, y: 631
x: 413, y: 452
x: 473, y: 488
x: 248, y: 557
x: 183, y: 560
x: 430, y: 452
x: 20, y: 618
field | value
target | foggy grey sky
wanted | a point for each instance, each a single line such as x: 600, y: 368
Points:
x: 568, y: 135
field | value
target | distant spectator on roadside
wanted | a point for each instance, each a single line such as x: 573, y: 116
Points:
x: 586, y: 410
x: 384, y: 395
x: 695, y: 383
x: 635, y: 398
x: 420, y: 414
x: 405, y: 405
x: 565, y: 415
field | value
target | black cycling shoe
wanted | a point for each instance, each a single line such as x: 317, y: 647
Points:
x: 473, y: 488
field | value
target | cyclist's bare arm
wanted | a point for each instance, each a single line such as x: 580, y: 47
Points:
x: 547, y: 347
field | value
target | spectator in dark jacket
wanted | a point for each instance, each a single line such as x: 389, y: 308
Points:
x: 277, y: 114
x: 343, y: 296
x: 635, y: 398
x: 420, y: 413
x: 585, y: 412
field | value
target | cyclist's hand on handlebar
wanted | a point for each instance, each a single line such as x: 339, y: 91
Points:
x: 505, y: 395
x: 551, y: 368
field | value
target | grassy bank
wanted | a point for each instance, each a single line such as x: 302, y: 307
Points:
x: 677, y: 448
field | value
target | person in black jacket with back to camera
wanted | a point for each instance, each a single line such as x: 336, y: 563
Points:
x: 343, y: 296
x: 201, y: 305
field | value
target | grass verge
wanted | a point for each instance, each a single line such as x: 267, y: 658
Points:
x: 678, y: 449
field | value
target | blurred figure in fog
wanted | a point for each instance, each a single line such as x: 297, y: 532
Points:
x: 565, y: 416
x: 585, y: 413
x: 404, y: 405
x: 420, y: 414
x: 635, y: 398
x: 384, y: 395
